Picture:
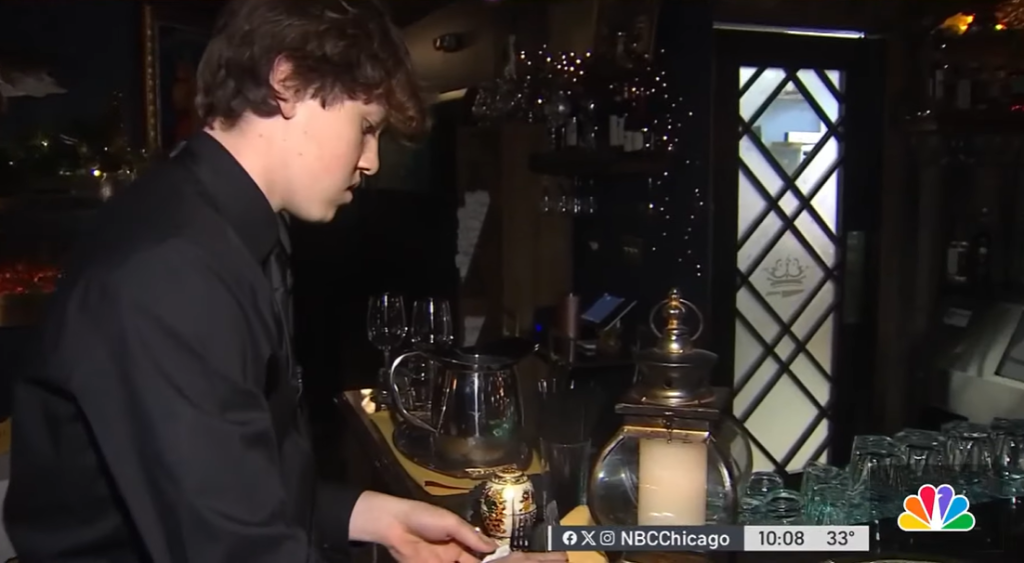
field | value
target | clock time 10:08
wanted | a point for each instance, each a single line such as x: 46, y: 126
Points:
x: 784, y: 538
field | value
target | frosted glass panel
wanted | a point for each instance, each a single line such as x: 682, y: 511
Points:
x: 748, y: 349
x: 810, y: 447
x: 757, y: 93
x: 787, y: 276
x: 786, y: 257
x: 744, y: 402
x: 760, y: 166
x: 780, y: 419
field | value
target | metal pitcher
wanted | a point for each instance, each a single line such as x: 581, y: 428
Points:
x: 476, y: 413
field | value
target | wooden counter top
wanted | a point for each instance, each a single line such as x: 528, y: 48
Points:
x: 385, y: 466
x: 997, y: 538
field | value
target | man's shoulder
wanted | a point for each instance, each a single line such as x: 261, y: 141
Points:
x: 157, y: 222
x: 156, y: 263
x: 162, y: 199
x: 173, y: 272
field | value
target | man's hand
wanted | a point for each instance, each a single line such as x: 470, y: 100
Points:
x: 416, y: 532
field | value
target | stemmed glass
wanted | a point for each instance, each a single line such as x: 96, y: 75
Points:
x: 431, y: 328
x: 431, y: 323
x: 386, y: 328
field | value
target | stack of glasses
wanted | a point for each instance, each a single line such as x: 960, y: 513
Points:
x: 982, y: 462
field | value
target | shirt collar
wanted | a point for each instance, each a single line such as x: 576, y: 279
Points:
x: 233, y: 192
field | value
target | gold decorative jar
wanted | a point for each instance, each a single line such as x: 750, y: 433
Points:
x: 507, y: 502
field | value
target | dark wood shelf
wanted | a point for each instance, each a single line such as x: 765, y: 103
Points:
x: 968, y: 123
x: 594, y: 163
x: 997, y: 49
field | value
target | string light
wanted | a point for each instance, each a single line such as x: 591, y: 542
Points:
x: 676, y: 209
x: 543, y: 73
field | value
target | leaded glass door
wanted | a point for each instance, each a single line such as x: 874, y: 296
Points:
x: 791, y: 163
x: 787, y: 174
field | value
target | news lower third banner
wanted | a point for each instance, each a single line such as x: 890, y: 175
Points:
x: 709, y: 538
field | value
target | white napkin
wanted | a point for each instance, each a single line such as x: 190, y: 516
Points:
x: 502, y: 551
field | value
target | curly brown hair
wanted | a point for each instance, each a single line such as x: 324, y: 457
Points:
x: 338, y: 49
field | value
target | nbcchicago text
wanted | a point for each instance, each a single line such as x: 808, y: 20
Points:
x: 639, y: 537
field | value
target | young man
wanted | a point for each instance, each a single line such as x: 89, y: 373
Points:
x: 163, y: 422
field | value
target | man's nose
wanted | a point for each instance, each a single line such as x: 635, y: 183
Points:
x: 369, y: 163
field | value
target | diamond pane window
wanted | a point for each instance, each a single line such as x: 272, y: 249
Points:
x: 791, y: 151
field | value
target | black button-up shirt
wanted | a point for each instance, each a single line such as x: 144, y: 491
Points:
x: 162, y: 422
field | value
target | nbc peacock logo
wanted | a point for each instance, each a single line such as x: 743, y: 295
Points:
x: 936, y: 510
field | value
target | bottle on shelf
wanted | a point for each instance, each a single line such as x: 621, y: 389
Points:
x: 981, y: 88
x: 938, y: 92
x: 937, y: 86
x: 998, y: 93
x: 1015, y: 89
x: 619, y: 105
x: 623, y: 59
x: 618, y: 109
x: 958, y: 258
x: 964, y: 92
x: 635, y: 125
x: 572, y: 133
x: 957, y: 263
x: 980, y: 270
x: 589, y: 131
x: 951, y: 86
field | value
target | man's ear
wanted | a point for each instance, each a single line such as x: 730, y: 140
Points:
x: 287, y: 95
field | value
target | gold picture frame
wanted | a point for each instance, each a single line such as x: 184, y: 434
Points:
x: 174, y: 35
x: 638, y: 19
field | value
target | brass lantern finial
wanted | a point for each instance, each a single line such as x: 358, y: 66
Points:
x: 674, y: 373
x: 675, y: 338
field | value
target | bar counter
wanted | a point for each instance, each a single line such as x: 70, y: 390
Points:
x: 998, y: 535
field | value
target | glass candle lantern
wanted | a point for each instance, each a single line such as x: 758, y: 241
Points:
x: 678, y: 459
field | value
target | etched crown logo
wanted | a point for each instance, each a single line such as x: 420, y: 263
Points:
x: 786, y: 272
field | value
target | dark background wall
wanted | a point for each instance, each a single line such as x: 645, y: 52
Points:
x: 397, y: 237
x: 92, y: 49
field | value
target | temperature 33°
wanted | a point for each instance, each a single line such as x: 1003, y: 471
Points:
x: 806, y: 538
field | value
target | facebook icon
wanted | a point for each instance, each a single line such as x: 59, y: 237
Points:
x: 569, y: 538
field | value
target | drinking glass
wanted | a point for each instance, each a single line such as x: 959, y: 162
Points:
x: 565, y: 205
x: 1002, y: 425
x: 577, y: 206
x: 429, y: 327
x: 783, y: 506
x: 1008, y: 462
x: 922, y: 457
x: 431, y: 323
x: 969, y: 453
x: 820, y: 474
x: 546, y: 204
x: 566, y: 472
x: 761, y: 483
x: 386, y: 328
x: 827, y: 505
x: 758, y: 486
x: 875, y: 478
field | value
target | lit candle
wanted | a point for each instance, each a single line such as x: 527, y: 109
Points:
x: 673, y: 483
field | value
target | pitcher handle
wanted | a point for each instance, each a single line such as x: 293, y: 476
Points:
x: 393, y: 386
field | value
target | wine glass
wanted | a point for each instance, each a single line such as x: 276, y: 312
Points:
x: 430, y: 328
x: 589, y: 205
x: 431, y: 323
x: 385, y: 325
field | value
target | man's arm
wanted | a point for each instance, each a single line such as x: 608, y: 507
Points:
x: 334, y: 505
x: 161, y: 378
